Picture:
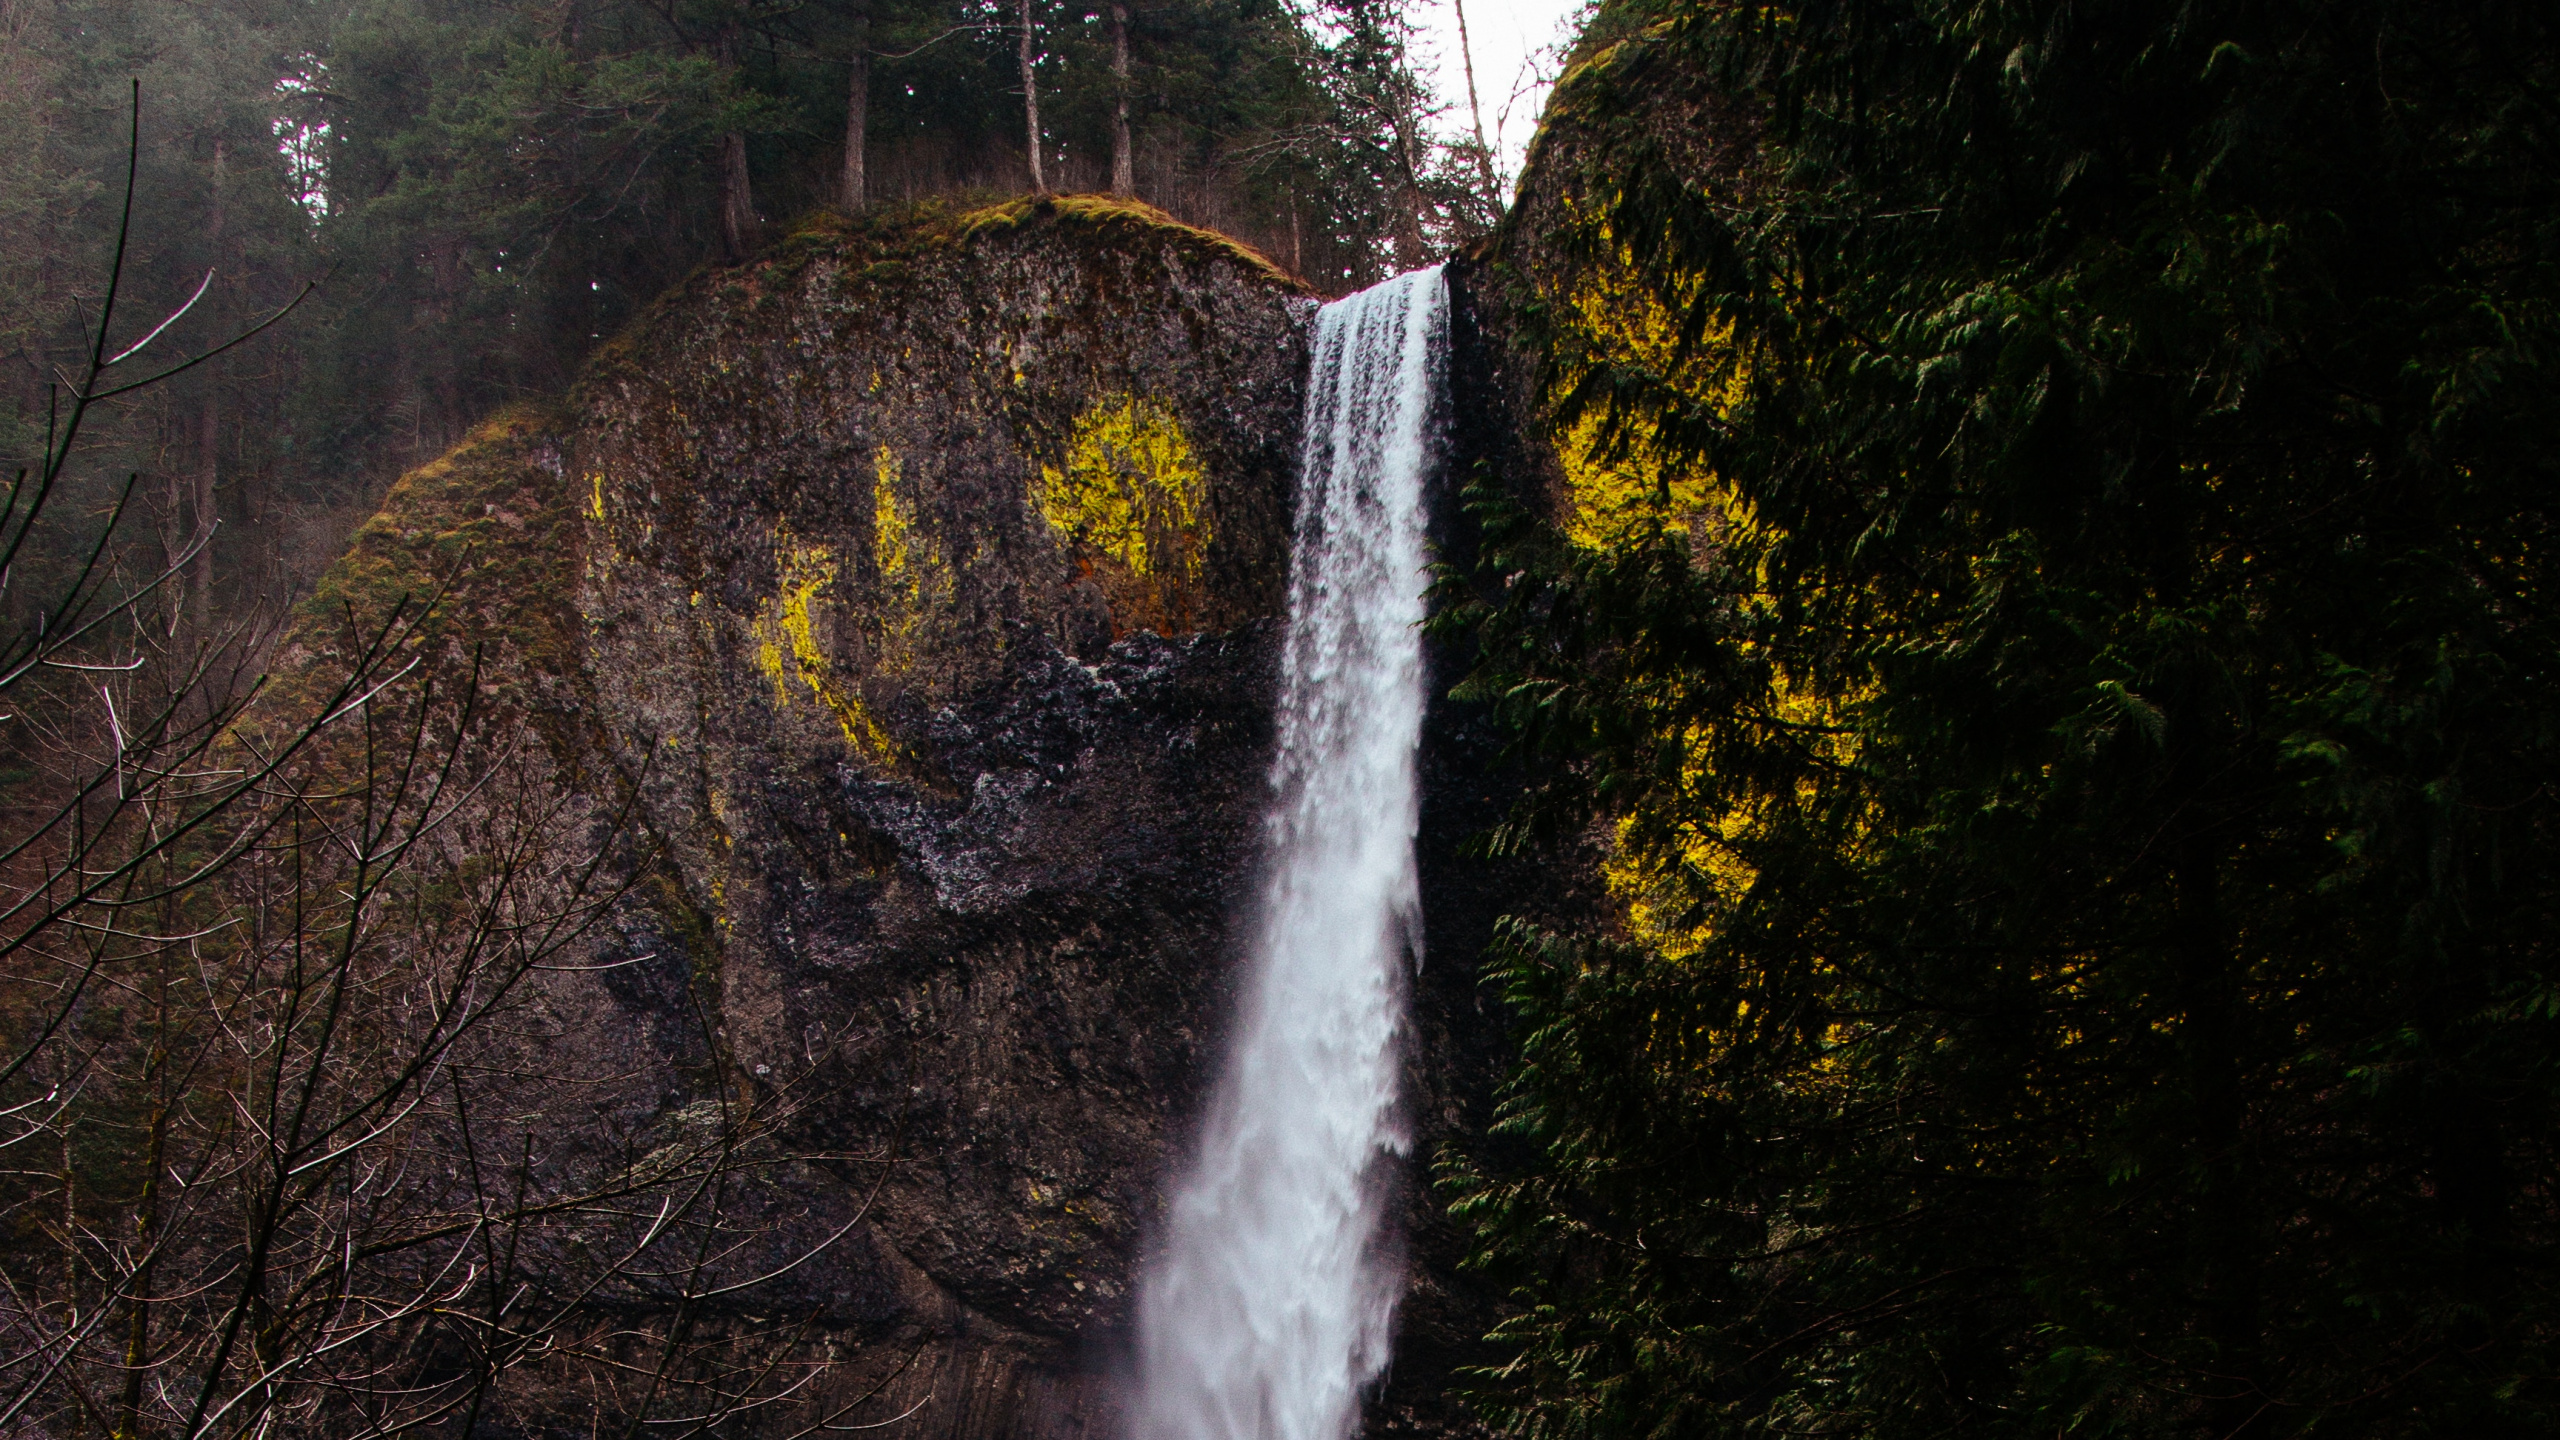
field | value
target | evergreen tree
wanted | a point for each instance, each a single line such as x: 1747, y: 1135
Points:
x: 2053, y: 593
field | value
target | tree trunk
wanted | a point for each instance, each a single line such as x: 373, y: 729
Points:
x: 209, y: 440
x: 1475, y: 110
x: 1031, y: 104
x: 146, y: 1212
x: 184, y: 452
x: 738, y: 201
x: 857, y: 118
x: 1410, y: 245
x: 208, y: 475
x: 1124, y: 170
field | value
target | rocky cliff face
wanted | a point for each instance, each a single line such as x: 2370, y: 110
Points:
x: 913, y: 595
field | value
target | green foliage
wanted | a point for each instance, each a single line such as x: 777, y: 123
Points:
x: 2090, y: 778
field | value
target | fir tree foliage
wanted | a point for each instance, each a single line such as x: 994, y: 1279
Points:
x: 2049, y: 582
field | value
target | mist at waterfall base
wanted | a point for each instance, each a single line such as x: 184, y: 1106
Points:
x: 1270, y: 1307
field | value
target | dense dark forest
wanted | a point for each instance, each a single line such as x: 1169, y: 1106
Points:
x: 2052, y: 601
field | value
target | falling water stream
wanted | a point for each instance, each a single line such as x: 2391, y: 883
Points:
x: 1269, y: 1309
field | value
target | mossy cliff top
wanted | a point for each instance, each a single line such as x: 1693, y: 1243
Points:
x: 1093, y: 338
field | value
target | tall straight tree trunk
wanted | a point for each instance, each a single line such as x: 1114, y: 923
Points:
x: 1031, y: 104
x: 1410, y: 245
x: 1475, y: 109
x: 1124, y: 169
x: 738, y: 224
x: 857, y: 117
x: 146, y: 1213
x: 737, y: 199
x: 178, y: 484
x: 209, y: 440
x: 208, y: 475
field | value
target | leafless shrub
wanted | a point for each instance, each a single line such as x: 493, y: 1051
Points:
x: 298, y: 1131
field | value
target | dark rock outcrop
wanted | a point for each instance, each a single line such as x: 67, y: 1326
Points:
x: 915, y: 593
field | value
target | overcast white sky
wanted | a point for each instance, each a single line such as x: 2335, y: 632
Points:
x: 1518, y: 45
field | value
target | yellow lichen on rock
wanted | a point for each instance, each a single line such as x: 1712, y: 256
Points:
x: 1619, y: 488
x: 891, y: 525
x: 914, y: 579
x: 1131, y: 489
x: 787, y: 646
x: 1671, y: 891
x: 1681, y: 864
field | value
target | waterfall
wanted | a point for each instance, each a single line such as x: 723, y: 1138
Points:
x: 1269, y: 1309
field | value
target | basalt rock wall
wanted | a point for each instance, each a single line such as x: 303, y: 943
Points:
x: 902, y: 613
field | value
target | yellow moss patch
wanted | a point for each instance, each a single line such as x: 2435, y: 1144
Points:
x: 891, y: 522
x: 1659, y: 887
x: 1622, y: 493
x: 913, y: 578
x: 1679, y: 867
x: 787, y: 647
x: 1131, y: 489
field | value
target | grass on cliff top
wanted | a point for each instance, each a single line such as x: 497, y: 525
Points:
x: 1112, y: 216
x: 895, y: 231
x: 883, y: 237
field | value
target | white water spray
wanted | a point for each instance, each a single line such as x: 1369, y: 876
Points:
x: 1270, y: 1309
